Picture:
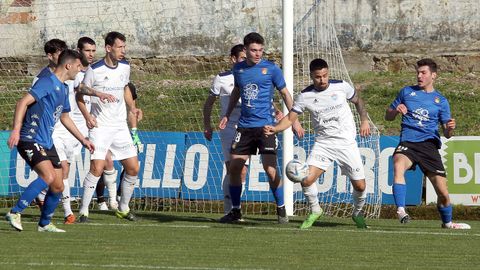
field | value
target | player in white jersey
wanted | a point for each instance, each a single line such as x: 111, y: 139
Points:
x: 109, y: 121
x: 222, y: 88
x: 335, y: 133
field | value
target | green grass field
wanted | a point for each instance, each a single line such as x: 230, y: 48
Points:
x: 164, y: 240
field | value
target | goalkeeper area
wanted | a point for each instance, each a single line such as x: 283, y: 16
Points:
x: 175, y: 50
x: 195, y: 241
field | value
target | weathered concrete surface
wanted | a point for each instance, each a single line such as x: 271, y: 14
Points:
x: 374, y: 34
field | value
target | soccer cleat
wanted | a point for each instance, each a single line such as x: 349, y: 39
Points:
x: 403, y: 217
x: 234, y: 216
x: 83, y: 219
x: 113, y: 204
x: 310, y: 220
x: 103, y: 206
x: 126, y: 215
x: 282, y: 217
x: 15, y: 220
x: 70, y: 219
x: 359, y: 220
x: 49, y: 228
x: 456, y: 226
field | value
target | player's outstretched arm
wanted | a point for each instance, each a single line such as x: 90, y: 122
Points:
x: 362, y: 111
x: 18, y: 116
x: 207, y: 113
x: 297, y: 127
x: 72, y: 128
x: 234, y: 97
x: 285, y: 123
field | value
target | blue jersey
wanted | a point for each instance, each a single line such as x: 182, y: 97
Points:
x: 257, y: 84
x: 45, y: 72
x: 424, y: 112
x: 51, y: 100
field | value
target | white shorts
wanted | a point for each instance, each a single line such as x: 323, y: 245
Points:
x: 348, y: 159
x: 115, y: 139
x: 226, y: 137
x: 67, y: 146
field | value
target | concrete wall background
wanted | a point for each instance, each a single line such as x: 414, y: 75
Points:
x: 372, y: 33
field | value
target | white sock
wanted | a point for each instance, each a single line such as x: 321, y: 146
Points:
x: 401, y: 210
x: 128, y: 185
x: 110, y: 178
x: 311, y: 193
x: 67, y: 208
x: 89, y: 185
x: 358, y: 201
x: 227, y: 199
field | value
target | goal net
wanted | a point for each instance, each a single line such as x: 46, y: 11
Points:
x: 175, y: 49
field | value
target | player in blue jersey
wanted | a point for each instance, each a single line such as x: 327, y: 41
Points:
x: 422, y: 108
x: 34, y: 120
x: 255, y: 82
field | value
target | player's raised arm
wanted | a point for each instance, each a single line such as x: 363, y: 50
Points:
x: 207, y: 112
x: 234, y: 97
x: 19, y: 115
x: 297, y: 127
x: 362, y: 111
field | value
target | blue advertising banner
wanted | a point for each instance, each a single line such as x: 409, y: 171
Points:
x: 185, y: 165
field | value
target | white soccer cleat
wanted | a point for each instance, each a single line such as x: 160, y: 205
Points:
x: 456, y: 226
x: 49, y: 228
x: 103, y: 206
x: 403, y: 217
x: 15, y: 220
x: 113, y: 204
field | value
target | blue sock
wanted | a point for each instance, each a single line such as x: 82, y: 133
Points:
x: 235, y: 194
x: 29, y: 194
x: 278, y: 195
x: 399, y: 194
x: 446, y: 213
x: 51, y: 202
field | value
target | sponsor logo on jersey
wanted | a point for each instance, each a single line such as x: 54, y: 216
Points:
x: 421, y: 114
x: 57, y: 88
x: 264, y: 71
x: 250, y: 92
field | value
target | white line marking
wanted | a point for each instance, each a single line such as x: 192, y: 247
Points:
x: 116, y: 266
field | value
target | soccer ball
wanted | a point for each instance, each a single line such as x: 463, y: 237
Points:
x: 296, y: 170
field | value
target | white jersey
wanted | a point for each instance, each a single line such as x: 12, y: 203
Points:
x: 222, y: 87
x: 331, y: 115
x: 112, y: 81
x: 75, y: 113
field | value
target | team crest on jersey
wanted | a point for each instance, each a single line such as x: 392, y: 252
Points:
x: 413, y: 94
x: 57, y: 88
x: 437, y: 100
x: 264, y: 71
x: 334, y: 96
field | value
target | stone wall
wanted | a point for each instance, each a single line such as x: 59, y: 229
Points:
x: 374, y: 34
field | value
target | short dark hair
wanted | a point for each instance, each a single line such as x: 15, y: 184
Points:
x: 318, y: 64
x: 253, y: 37
x: 68, y: 55
x: 54, y: 45
x: 112, y: 36
x: 427, y: 62
x: 236, y: 50
x: 84, y: 40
